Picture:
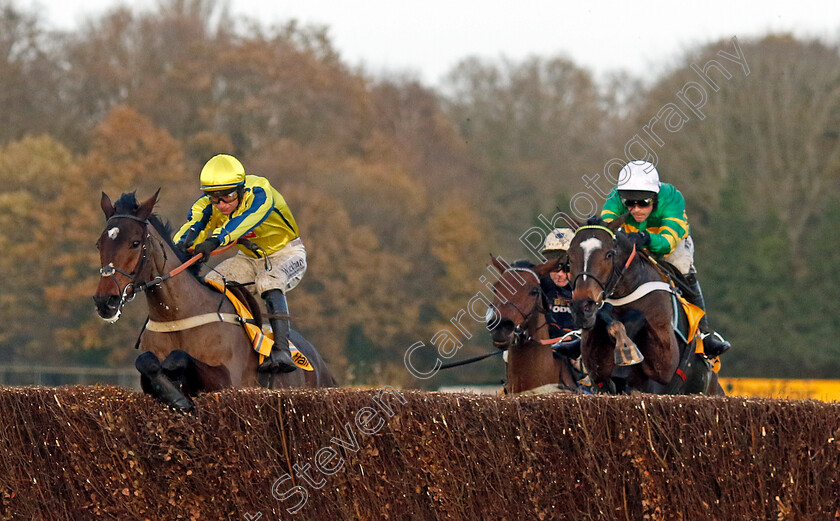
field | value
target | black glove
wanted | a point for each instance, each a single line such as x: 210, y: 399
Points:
x: 206, y: 248
x: 642, y: 239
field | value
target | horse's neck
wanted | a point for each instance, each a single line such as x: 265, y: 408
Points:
x: 532, y: 364
x: 638, y: 273
x: 180, y: 296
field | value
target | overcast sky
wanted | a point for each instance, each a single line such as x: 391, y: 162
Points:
x: 428, y: 37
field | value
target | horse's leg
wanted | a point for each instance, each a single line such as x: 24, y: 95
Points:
x: 715, y: 388
x: 563, y: 366
x: 626, y: 351
x: 287, y: 380
x: 663, y: 352
x: 155, y: 382
x: 194, y: 376
x: 596, y: 350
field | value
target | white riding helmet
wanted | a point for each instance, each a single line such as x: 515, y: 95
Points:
x: 638, y: 176
x: 558, y: 239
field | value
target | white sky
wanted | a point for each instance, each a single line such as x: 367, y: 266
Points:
x: 426, y: 38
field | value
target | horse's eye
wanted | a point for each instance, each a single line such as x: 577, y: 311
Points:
x: 535, y: 291
x: 135, y: 244
x: 609, y: 254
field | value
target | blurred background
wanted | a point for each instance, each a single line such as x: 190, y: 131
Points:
x: 404, y: 179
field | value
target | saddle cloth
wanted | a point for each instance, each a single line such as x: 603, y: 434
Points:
x: 261, y: 341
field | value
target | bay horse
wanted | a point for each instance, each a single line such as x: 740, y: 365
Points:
x: 614, y: 286
x: 517, y: 324
x: 136, y: 254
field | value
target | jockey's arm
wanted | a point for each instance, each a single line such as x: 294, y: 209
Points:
x: 664, y: 237
x: 673, y: 225
x: 257, y: 209
x: 197, y: 219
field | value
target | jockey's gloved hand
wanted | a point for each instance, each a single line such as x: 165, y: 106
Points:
x: 207, y: 248
x: 642, y: 239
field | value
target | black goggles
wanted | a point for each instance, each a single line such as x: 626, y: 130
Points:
x: 224, y: 197
x: 641, y: 203
x: 564, y: 267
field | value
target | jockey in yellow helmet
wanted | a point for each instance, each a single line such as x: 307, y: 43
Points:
x: 236, y: 205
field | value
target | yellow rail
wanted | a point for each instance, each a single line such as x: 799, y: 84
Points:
x: 825, y: 390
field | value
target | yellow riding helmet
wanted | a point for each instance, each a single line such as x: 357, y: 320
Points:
x: 222, y: 172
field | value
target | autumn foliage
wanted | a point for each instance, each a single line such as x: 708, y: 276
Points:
x: 401, y: 191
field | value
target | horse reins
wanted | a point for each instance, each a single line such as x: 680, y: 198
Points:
x: 111, y: 270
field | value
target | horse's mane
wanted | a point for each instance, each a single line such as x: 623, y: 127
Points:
x: 522, y: 263
x: 127, y: 205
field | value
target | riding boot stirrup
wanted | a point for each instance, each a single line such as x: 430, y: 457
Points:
x: 714, y: 345
x: 280, y: 359
x: 568, y: 346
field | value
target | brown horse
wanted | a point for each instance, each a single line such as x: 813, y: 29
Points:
x: 616, y: 286
x: 518, y: 325
x: 137, y: 254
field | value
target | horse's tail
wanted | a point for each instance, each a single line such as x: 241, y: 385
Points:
x: 324, y: 377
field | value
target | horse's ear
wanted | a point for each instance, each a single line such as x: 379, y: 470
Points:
x: 622, y: 241
x: 616, y: 223
x: 146, y: 207
x: 500, y: 264
x: 573, y: 223
x: 547, y: 267
x: 107, y: 207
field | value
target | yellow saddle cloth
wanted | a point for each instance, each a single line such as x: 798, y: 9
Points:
x: 260, y: 340
x: 694, y: 314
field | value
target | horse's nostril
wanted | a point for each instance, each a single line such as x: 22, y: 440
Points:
x: 106, y: 303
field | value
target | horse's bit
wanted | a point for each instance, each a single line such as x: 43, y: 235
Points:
x: 110, y: 270
x: 520, y: 334
x: 612, y: 282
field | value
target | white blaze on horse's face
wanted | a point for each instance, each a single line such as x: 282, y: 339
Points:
x: 588, y: 246
x: 113, y: 232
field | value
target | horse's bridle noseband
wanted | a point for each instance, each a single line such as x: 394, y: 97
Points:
x: 616, y: 275
x: 110, y: 270
x: 520, y: 334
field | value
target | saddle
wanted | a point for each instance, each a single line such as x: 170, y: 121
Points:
x: 694, y: 371
x: 671, y: 274
x: 261, y: 338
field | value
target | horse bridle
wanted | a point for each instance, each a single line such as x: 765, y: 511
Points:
x: 520, y: 334
x: 110, y: 270
x: 616, y: 275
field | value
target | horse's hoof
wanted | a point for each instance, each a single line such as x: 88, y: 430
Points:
x: 183, y: 405
x: 628, y: 354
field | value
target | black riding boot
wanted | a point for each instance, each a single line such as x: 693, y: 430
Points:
x: 713, y: 343
x: 569, y: 346
x: 280, y: 359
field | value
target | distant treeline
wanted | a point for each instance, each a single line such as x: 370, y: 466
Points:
x: 402, y: 190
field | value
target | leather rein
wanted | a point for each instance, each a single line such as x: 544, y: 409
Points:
x: 133, y: 286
